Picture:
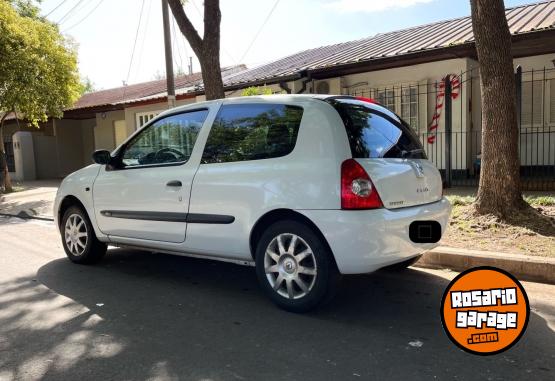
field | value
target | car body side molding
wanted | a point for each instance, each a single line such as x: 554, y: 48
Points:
x: 194, y: 218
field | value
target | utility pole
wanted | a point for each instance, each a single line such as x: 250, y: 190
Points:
x: 168, y: 50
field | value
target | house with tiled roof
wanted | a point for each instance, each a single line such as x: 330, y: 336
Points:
x: 404, y: 70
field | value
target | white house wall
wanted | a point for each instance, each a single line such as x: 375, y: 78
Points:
x: 104, y: 136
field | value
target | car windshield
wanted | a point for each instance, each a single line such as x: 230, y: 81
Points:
x: 376, y: 134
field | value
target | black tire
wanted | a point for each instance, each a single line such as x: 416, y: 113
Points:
x: 403, y: 265
x: 321, y: 287
x: 88, y: 252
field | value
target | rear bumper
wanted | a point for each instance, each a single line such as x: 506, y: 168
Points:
x: 363, y: 241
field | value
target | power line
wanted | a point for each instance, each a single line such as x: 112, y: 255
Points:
x: 259, y: 30
x: 178, y: 47
x: 145, y: 33
x: 134, y: 45
x: 86, y: 16
x: 56, y: 7
x: 69, y: 12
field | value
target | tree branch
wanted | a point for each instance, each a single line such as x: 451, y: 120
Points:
x: 186, y: 26
x: 4, y: 117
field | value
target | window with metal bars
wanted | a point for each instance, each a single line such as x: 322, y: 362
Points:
x: 386, y: 97
x: 532, y: 103
x: 409, y: 106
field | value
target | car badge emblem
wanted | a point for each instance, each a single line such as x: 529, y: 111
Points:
x: 418, y: 169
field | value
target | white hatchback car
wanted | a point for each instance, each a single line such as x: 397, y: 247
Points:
x: 304, y: 187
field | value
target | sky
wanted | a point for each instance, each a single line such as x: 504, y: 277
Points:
x: 253, y: 32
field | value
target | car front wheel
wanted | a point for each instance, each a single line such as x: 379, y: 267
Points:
x: 78, y: 237
x: 295, y: 267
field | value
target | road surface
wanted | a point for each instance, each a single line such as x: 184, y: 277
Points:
x: 139, y: 316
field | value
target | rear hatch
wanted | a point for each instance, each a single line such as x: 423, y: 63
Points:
x: 390, y: 152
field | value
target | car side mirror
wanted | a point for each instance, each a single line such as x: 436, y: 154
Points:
x: 102, y: 157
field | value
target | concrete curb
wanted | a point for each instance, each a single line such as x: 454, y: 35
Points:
x: 523, y: 267
x: 26, y: 216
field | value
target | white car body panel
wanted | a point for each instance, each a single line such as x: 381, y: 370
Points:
x: 76, y: 185
x: 306, y: 181
x: 249, y: 189
x: 145, y: 189
x: 365, y: 240
x: 404, y: 182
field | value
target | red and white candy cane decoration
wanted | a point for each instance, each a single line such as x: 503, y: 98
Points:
x: 440, y: 97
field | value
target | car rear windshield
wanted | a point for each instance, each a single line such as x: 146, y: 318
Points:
x: 376, y: 134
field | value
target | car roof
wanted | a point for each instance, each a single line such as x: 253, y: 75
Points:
x: 277, y: 97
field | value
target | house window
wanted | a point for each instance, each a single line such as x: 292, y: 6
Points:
x: 409, y: 106
x: 143, y: 118
x: 386, y: 97
x: 532, y: 104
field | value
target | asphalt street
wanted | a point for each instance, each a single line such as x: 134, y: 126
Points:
x: 142, y: 316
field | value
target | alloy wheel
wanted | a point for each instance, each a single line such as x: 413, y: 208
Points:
x: 75, y: 234
x: 290, y: 266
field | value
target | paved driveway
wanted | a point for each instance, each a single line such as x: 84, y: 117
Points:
x: 139, y: 316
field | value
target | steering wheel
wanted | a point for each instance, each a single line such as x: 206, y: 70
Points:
x: 177, y: 154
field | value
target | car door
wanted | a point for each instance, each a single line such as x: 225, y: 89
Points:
x: 245, y: 169
x: 144, y: 194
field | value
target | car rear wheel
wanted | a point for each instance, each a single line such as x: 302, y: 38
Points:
x: 295, y: 267
x: 78, y: 237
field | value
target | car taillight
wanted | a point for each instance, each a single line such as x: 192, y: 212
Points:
x: 357, y: 189
x: 369, y: 100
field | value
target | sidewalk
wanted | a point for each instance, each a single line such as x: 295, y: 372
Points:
x: 36, y: 199
x: 524, y: 267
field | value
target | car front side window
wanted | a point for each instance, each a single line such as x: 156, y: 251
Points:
x: 169, y: 140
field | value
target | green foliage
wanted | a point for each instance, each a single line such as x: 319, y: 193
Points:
x: 38, y: 68
x: 254, y: 90
x: 86, y: 86
x: 460, y: 200
x: 540, y: 200
x: 26, y: 8
x: 532, y: 200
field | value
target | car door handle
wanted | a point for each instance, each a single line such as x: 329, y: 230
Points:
x: 174, y: 183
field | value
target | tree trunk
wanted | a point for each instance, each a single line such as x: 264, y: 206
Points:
x: 6, y: 181
x: 207, y: 48
x: 212, y: 75
x: 499, y: 189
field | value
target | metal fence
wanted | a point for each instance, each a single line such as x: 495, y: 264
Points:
x: 446, y: 115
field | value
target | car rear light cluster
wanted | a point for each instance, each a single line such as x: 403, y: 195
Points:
x: 357, y: 189
x: 368, y: 100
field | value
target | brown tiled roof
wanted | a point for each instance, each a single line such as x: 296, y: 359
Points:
x: 522, y: 19
x: 130, y: 93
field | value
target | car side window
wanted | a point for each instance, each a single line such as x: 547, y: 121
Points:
x: 168, y: 140
x: 244, y: 132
